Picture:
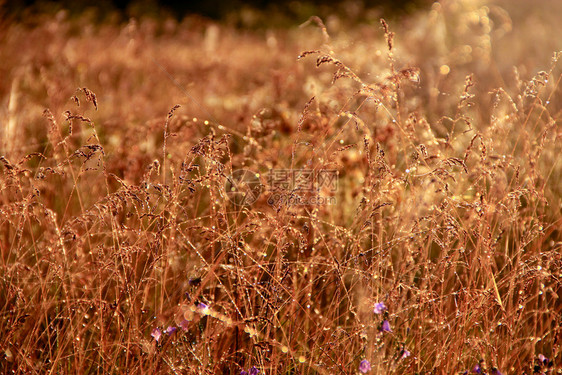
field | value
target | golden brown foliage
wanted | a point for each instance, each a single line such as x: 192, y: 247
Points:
x: 117, y: 214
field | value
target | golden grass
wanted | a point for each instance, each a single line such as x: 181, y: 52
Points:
x: 117, y: 147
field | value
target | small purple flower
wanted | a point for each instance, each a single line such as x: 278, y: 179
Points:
x: 253, y: 371
x: 156, y: 333
x: 477, y: 369
x: 170, y: 330
x: 542, y: 359
x: 379, y: 308
x: 203, y: 308
x: 495, y: 371
x: 385, y: 326
x: 364, y: 366
x: 404, y: 354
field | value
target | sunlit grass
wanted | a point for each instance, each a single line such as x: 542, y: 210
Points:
x: 433, y: 244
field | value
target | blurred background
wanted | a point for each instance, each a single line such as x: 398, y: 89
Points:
x: 241, y: 12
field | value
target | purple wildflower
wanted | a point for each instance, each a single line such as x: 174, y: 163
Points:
x: 477, y: 369
x: 156, y: 333
x: 253, y: 371
x: 203, y: 308
x: 385, y: 327
x: 379, y: 308
x: 404, y: 354
x: 170, y: 330
x: 495, y: 371
x: 364, y: 366
x: 542, y: 359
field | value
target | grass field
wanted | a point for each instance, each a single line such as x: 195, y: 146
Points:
x: 340, y: 196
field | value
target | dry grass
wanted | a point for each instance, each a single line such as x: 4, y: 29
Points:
x: 116, y: 222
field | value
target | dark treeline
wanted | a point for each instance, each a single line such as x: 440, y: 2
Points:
x: 214, y: 9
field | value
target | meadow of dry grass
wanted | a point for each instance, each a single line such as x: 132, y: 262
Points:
x: 124, y: 246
